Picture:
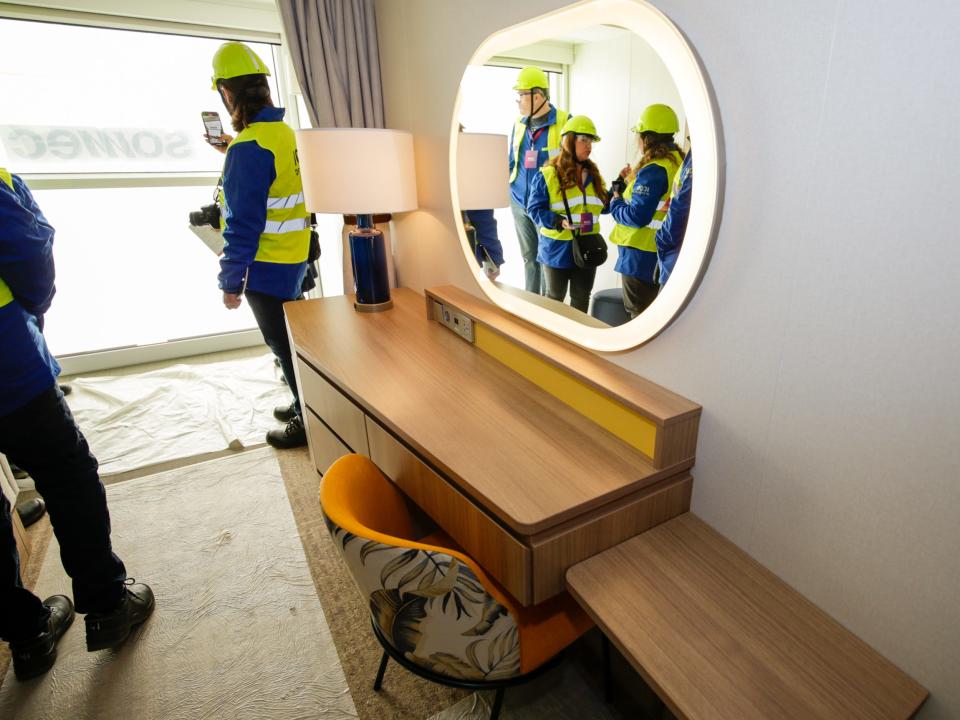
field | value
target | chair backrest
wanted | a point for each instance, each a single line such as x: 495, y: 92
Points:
x: 431, y: 603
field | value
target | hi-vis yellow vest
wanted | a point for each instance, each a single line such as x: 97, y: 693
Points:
x: 644, y: 238
x: 6, y: 296
x: 581, y: 202
x: 553, y: 139
x: 286, y: 235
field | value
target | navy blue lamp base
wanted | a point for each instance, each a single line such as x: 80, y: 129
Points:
x: 368, y: 257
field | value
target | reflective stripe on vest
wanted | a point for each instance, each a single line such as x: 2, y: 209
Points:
x: 286, y: 234
x: 575, y: 199
x: 644, y: 238
x: 6, y: 296
x: 553, y: 139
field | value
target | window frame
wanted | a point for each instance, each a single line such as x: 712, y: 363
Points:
x: 287, y: 89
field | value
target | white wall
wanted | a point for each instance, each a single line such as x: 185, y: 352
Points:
x: 824, y: 339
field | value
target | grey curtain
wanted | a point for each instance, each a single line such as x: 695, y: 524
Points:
x: 333, y: 44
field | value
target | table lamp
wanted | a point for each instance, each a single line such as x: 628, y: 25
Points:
x: 360, y: 171
x: 482, y: 178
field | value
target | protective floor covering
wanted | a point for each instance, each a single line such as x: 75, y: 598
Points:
x: 181, y: 411
x: 238, y: 631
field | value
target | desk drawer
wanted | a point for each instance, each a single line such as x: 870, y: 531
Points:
x: 494, y: 549
x: 325, y: 447
x: 343, y: 417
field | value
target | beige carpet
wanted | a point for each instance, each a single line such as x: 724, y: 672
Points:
x: 238, y: 631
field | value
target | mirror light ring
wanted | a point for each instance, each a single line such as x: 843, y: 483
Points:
x: 703, y: 120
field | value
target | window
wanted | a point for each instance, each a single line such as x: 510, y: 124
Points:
x: 108, y: 135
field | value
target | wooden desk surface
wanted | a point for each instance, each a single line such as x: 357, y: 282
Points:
x: 528, y: 458
x: 718, y: 636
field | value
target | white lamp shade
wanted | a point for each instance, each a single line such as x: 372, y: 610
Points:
x: 357, y: 171
x: 482, y: 179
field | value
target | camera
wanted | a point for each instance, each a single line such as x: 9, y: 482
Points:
x: 207, y: 215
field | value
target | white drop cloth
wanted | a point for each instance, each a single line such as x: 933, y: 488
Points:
x: 133, y: 421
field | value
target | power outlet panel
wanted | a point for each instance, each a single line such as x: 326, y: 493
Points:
x: 461, y: 324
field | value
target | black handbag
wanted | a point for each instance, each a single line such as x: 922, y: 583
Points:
x: 589, y: 250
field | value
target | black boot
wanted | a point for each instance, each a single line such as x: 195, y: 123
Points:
x: 30, y: 511
x: 285, y: 413
x: 106, y: 630
x: 292, y: 436
x: 35, y: 656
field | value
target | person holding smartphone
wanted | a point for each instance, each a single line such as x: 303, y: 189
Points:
x: 568, y: 195
x: 266, y: 226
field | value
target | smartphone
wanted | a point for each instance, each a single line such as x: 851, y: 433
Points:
x: 213, y: 126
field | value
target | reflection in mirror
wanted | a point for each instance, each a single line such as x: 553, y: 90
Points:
x: 594, y: 129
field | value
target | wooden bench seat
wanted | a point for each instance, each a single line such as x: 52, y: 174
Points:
x: 716, y: 635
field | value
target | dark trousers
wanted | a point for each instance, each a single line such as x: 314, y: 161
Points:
x: 638, y: 294
x: 42, y: 438
x: 268, y: 311
x: 529, y: 238
x: 579, y: 279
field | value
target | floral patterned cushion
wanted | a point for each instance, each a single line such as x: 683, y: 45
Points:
x: 432, y: 608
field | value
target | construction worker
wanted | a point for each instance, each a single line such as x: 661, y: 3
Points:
x: 669, y: 238
x: 266, y: 226
x: 639, y: 213
x: 568, y: 195
x: 38, y: 433
x: 535, y: 138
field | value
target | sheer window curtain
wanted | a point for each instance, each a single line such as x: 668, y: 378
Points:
x: 333, y: 47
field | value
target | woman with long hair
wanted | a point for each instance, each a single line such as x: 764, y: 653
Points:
x: 568, y: 196
x: 266, y: 226
x: 641, y: 210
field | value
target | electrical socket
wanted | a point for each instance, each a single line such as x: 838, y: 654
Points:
x: 461, y: 324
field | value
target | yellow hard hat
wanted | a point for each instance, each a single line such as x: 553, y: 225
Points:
x: 234, y: 59
x: 659, y: 119
x: 531, y: 77
x: 581, y: 125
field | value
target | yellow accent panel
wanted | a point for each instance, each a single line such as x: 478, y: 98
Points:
x: 626, y: 424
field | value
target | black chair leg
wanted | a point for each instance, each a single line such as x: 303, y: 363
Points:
x: 383, y: 668
x: 607, y: 674
x: 497, y: 704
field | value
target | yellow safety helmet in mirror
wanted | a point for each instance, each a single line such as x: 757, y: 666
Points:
x: 234, y: 59
x: 659, y: 119
x: 581, y: 125
x: 531, y: 77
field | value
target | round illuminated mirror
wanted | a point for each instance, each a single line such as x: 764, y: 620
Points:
x: 550, y: 113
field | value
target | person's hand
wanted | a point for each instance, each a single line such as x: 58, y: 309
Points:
x: 224, y: 139
x: 231, y: 301
x: 567, y: 225
x: 625, y: 171
x: 490, y: 270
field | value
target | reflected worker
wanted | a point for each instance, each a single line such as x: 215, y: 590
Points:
x: 487, y: 249
x: 534, y: 140
x: 670, y: 237
x: 39, y: 434
x: 640, y: 212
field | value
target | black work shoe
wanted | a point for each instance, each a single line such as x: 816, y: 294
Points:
x: 30, y: 511
x: 106, y: 630
x: 33, y: 657
x: 285, y: 413
x: 292, y: 436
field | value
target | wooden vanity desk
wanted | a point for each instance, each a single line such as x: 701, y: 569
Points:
x: 520, y: 472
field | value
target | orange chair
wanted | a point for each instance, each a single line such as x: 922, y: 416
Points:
x: 433, y: 609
